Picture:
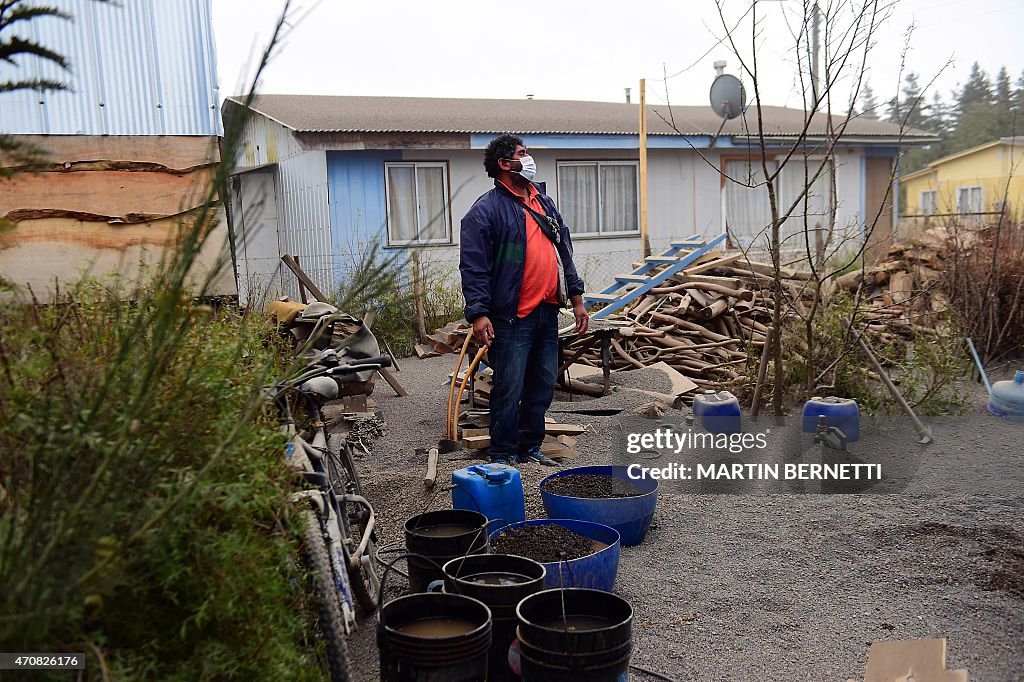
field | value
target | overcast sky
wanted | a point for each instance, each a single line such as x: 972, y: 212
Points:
x: 586, y: 50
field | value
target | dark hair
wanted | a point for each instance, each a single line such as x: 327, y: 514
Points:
x: 501, y: 147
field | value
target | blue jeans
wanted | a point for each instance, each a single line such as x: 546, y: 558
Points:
x: 524, y: 356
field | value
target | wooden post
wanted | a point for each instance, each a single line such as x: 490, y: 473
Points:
x: 645, y: 240
x: 417, y: 292
x: 302, y: 289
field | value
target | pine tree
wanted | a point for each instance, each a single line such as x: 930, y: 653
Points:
x: 913, y: 109
x: 974, y: 112
x: 869, y: 105
x: 1003, y: 119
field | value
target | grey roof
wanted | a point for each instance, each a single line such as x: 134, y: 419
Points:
x: 342, y: 114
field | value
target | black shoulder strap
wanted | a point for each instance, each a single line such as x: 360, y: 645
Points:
x: 548, y: 225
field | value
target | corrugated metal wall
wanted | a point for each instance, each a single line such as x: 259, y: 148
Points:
x: 305, y: 222
x: 136, y: 67
x: 358, y: 211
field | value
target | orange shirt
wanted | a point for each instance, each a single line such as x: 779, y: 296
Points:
x: 540, y: 271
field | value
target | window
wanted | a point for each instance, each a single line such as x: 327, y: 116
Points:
x: 417, y: 203
x: 968, y: 200
x: 599, y: 197
x: 929, y: 201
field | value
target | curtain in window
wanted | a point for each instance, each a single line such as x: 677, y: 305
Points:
x: 401, y: 203
x: 812, y: 210
x: 619, y: 198
x: 748, y: 214
x: 577, y: 197
x: 432, y: 203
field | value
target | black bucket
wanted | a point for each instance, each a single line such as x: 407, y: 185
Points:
x: 442, y: 535
x: 595, y: 647
x: 500, y: 581
x: 433, y: 638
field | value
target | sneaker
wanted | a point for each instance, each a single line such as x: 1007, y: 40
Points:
x: 534, y: 455
x: 507, y: 460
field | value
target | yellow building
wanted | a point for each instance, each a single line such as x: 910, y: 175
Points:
x: 975, y: 184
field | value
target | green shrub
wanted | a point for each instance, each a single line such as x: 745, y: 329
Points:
x: 144, y: 496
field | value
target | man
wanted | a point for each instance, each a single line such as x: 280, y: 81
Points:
x: 517, y: 271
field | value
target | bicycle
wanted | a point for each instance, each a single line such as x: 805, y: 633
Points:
x: 337, y: 521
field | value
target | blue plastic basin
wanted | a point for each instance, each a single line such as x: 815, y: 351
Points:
x: 630, y: 516
x: 596, y: 571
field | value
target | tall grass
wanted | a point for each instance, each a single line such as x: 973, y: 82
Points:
x: 144, y: 513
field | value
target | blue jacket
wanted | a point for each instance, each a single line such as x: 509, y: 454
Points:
x: 493, y: 254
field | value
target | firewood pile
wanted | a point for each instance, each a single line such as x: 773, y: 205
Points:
x: 902, y: 295
x: 708, y: 322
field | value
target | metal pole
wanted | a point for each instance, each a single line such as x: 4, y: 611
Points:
x: 923, y: 431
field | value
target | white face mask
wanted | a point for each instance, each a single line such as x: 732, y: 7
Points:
x: 529, y: 169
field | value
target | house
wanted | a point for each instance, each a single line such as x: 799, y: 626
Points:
x: 132, y: 144
x: 975, y: 185
x: 319, y: 176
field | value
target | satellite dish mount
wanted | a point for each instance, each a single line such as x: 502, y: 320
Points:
x: 728, y: 100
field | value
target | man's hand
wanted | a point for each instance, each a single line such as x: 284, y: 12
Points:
x: 483, y: 331
x: 582, y: 318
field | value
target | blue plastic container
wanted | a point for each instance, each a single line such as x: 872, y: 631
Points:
x: 841, y: 413
x: 494, y: 490
x: 718, y: 412
x: 1007, y: 399
x: 630, y: 516
x: 596, y: 571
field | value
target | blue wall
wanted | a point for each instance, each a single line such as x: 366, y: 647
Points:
x: 355, y: 186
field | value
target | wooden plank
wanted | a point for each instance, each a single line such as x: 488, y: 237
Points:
x: 563, y: 429
x: 393, y: 382
x: 472, y: 433
x: 178, y: 152
x: 431, y: 475
x: 303, y: 278
x: 36, y: 252
x: 711, y: 265
x: 476, y: 442
x: 123, y: 196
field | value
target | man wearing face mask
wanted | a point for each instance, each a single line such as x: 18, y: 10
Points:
x: 517, y: 271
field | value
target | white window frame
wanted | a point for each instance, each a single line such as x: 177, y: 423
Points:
x: 415, y: 165
x: 600, y: 213
x: 928, y: 203
x: 960, y: 208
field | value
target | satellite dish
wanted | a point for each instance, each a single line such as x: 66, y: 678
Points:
x: 728, y: 98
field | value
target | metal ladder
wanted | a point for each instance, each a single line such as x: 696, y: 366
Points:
x: 676, y: 261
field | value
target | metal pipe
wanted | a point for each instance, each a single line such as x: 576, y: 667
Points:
x: 977, y: 361
x: 923, y: 431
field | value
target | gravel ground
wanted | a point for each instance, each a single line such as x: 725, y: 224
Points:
x: 780, y: 586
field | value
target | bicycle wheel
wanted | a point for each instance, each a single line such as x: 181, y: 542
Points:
x: 364, y: 581
x: 332, y: 622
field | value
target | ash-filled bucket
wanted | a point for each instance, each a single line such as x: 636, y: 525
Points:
x: 575, y: 634
x: 434, y: 638
x: 500, y: 581
x: 441, y: 536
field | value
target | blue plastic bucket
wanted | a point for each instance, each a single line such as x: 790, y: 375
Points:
x: 630, y: 516
x: 595, y: 571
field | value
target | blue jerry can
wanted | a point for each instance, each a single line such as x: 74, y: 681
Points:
x: 494, y: 490
x: 841, y: 413
x: 718, y: 412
